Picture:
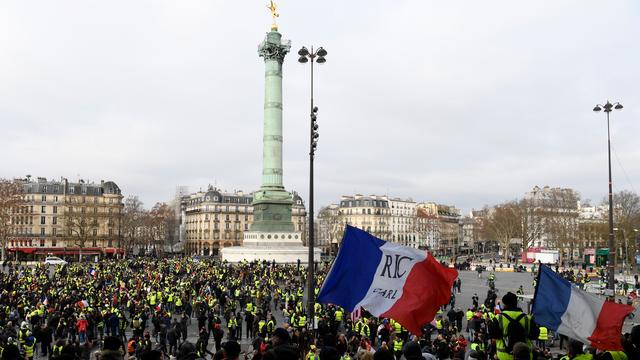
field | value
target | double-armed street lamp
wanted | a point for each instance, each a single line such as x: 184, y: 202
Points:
x: 319, y: 57
x: 611, y: 265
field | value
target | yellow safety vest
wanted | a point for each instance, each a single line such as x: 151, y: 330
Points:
x: 29, y: 350
x: 544, y: 334
x: 397, y: 345
x: 339, y: 315
x: 477, y: 346
x: 585, y: 357
x: 501, y: 345
x: 439, y: 324
x: 302, y: 321
x: 365, y: 331
x: 618, y: 355
x: 469, y: 315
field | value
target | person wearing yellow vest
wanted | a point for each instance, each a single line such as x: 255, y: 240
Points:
x: 365, y: 330
x: 313, y: 353
x: 339, y: 314
x: 614, y: 355
x: 232, y: 325
x: 271, y: 325
x: 29, y: 347
x: 397, y: 347
x: 469, y: 316
x: 543, y: 337
x: 302, y: 321
x: 575, y: 352
x: 439, y: 324
x: 511, y: 326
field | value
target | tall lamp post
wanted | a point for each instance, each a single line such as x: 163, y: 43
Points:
x: 611, y: 266
x: 319, y: 57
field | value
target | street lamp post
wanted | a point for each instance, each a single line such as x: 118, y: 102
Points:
x: 319, y: 57
x: 608, y: 107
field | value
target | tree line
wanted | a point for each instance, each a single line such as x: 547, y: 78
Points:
x: 555, y: 220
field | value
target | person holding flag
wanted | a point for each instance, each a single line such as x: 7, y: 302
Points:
x: 388, y: 280
x: 568, y: 310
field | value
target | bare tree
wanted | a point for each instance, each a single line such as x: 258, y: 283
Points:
x: 81, y: 224
x: 627, y: 220
x: 503, y: 224
x: 532, y: 220
x: 331, y: 225
x: 560, y: 211
x: 132, y: 222
x: 10, y: 200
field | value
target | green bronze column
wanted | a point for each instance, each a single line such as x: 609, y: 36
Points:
x: 272, y: 204
x: 273, y: 51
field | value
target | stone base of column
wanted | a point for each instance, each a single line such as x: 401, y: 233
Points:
x: 281, y: 247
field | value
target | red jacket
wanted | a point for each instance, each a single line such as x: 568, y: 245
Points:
x: 81, y: 325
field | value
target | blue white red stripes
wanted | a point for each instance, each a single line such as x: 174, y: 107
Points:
x: 562, y: 307
x: 387, y: 280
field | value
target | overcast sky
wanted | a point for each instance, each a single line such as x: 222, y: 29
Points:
x: 460, y: 102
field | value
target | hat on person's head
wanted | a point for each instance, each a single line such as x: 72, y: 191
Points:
x: 282, y: 334
x: 510, y: 299
x: 232, y: 349
x: 329, y: 353
x: 412, y: 350
x: 635, y: 335
x: 185, y: 349
x: 475, y: 355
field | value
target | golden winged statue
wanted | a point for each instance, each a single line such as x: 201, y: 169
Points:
x: 273, y: 8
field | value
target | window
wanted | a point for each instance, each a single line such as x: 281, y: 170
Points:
x: 227, y: 217
x: 43, y: 209
x: 110, y: 232
x: 55, y: 199
x: 110, y: 201
x: 53, y: 241
x: 42, y: 231
x: 55, y: 209
x: 95, y: 210
x: 44, y: 198
x: 246, y: 227
x: 95, y: 232
x: 226, y: 226
x: 42, y: 220
x: 53, y: 232
x: 72, y: 190
x: 54, y: 220
x: 94, y: 243
x: 41, y: 242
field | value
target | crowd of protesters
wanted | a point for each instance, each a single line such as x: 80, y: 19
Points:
x: 143, y: 309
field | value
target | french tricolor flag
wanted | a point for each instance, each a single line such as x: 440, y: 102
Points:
x: 387, y: 279
x: 562, y: 307
x: 93, y: 272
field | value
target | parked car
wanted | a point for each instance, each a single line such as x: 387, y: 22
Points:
x: 54, y: 260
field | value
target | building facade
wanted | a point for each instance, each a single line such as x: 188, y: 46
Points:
x: 64, y: 218
x: 215, y: 219
x: 404, y: 221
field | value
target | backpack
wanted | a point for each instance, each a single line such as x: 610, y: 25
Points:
x: 515, y: 331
